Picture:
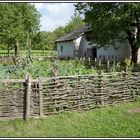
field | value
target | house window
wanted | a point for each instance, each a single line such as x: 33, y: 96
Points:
x: 61, y: 49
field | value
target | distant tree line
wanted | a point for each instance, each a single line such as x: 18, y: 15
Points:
x: 46, y: 40
x: 19, y: 28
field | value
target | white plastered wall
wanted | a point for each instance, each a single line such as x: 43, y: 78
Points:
x: 120, y: 52
x: 68, y: 49
x: 81, y: 46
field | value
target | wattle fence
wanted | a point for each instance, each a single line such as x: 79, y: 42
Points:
x: 25, y: 98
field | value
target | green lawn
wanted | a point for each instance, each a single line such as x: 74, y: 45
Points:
x: 114, y: 121
x: 33, y: 52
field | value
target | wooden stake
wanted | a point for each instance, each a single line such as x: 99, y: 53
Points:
x: 100, y: 62
x: 101, y: 88
x: 40, y: 98
x: 28, y: 96
x: 108, y: 64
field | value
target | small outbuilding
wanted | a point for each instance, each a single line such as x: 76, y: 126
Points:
x: 78, y: 44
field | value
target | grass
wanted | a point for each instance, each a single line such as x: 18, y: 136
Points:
x: 33, y: 52
x: 113, y: 121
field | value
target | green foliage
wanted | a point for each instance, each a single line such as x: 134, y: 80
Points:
x: 75, y: 22
x: 127, y: 62
x: 43, y: 41
x: 2, y: 47
x: 113, y: 22
x: 51, y: 68
x: 113, y: 68
x: 58, y: 68
x: 59, y: 32
x: 46, y: 40
x: 114, y: 121
x: 20, y: 21
x: 108, y: 20
x: 16, y: 20
x: 47, y: 68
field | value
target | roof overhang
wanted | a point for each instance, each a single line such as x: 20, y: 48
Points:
x: 67, y: 40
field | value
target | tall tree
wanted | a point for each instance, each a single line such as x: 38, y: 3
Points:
x: 75, y: 22
x: 113, y: 22
x: 17, y: 21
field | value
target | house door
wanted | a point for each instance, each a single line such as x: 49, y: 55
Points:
x: 92, y: 53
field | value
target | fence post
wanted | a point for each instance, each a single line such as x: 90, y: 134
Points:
x: 101, y: 88
x: 28, y: 96
x: 100, y: 62
x: 126, y: 71
x: 108, y: 65
x: 126, y: 78
x: 40, y: 97
x: 95, y: 60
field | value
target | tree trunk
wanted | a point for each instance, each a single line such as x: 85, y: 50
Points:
x: 133, y: 38
x: 8, y: 50
x: 28, y: 47
x: 134, y: 58
x: 16, y: 50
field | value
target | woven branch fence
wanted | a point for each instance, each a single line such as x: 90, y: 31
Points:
x: 25, y: 98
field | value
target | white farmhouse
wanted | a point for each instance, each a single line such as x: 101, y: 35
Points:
x: 77, y: 44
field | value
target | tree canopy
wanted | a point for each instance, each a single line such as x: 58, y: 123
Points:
x: 75, y: 22
x: 17, y: 20
x: 110, y: 20
x: 19, y: 23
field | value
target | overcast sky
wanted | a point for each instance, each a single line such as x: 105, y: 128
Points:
x: 54, y: 14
